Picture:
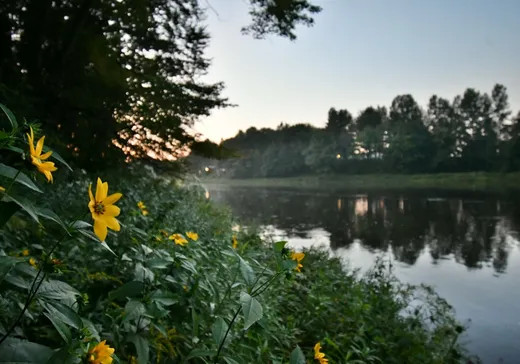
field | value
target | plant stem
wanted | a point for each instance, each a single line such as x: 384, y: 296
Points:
x: 32, y: 293
x: 266, y: 284
x: 225, y: 336
x: 12, y: 181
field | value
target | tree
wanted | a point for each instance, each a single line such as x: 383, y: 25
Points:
x: 370, y: 117
x: 105, y: 73
x: 446, y: 131
x: 338, y: 120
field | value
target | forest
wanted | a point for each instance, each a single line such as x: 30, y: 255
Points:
x: 476, y: 131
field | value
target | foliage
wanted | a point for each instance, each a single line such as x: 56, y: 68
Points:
x: 176, y: 284
x: 473, y: 133
x: 129, y: 70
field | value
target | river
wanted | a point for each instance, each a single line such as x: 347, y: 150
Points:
x: 464, y: 244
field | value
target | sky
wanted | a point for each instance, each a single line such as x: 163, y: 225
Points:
x: 359, y: 53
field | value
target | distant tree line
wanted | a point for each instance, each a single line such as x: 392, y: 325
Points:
x: 474, y: 132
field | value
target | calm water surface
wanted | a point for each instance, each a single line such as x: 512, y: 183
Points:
x: 465, y: 244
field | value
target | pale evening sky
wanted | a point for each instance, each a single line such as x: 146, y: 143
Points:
x: 360, y: 53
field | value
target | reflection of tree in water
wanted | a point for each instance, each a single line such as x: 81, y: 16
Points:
x: 473, y: 232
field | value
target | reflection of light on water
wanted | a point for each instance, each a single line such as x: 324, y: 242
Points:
x: 361, y: 206
x: 315, y: 238
x: 340, y: 204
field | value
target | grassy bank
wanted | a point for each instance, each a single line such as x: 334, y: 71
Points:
x: 465, y: 181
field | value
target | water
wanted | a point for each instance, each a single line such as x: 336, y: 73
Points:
x: 465, y: 244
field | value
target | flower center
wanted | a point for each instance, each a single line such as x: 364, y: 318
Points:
x: 99, y: 208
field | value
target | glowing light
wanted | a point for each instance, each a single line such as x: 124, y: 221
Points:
x: 338, y: 156
x: 206, y: 169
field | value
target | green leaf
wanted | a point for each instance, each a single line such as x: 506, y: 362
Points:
x: 26, y: 205
x: 50, y: 215
x: 15, y: 351
x: 297, y: 356
x: 247, y: 273
x: 10, y: 116
x: 164, y: 298
x: 15, y: 149
x: 56, y: 156
x: 129, y: 289
x: 60, y: 326
x: 64, y: 313
x: 7, y: 209
x: 6, y: 264
x: 105, y: 245
x: 251, y: 308
x: 229, y: 360
x: 64, y: 356
x: 158, y: 263
x: 278, y: 246
x: 289, y: 264
x: 219, y: 330
x: 57, y: 290
x: 80, y: 224
x: 199, y: 353
x: 17, y: 281
x: 91, y: 328
x: 142, y: 347
x: 22, y: 178
x: 133, y: 310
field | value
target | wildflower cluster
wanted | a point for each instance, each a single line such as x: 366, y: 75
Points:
x: 142, y: 208
x: 180, y: 286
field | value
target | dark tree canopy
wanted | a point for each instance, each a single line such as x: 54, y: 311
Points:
x: 105, y: 73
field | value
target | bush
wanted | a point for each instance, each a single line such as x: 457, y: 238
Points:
x: 177, y: 284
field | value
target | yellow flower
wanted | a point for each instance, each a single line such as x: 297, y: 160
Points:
x: 101, y: 354
x: 32, y: 262
x: 25, y: 252
x: 144, y: 212
x: 103, y: 210
x: 179, y: 239
x: 193, y: 236
x: 235, y: 242
x: 141, y: 205
x: 298, y: 257
x: 37, y: 157
x: 318, y: 355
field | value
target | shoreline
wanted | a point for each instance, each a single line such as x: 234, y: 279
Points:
x: 481, y: 181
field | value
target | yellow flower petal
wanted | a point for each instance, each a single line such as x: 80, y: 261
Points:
x: 99, y: 191
x: 113, y: 198
x: 90, y: 195
x: 100, y: 229
x: 44, y: 156
x: 112, y: 210
x: 112, y: 223
x: 39, y: 146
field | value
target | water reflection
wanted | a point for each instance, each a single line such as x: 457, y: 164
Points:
x: 471, y: 229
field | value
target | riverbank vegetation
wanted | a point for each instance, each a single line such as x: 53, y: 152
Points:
x: 127, y: 266
x: 475, y: 132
